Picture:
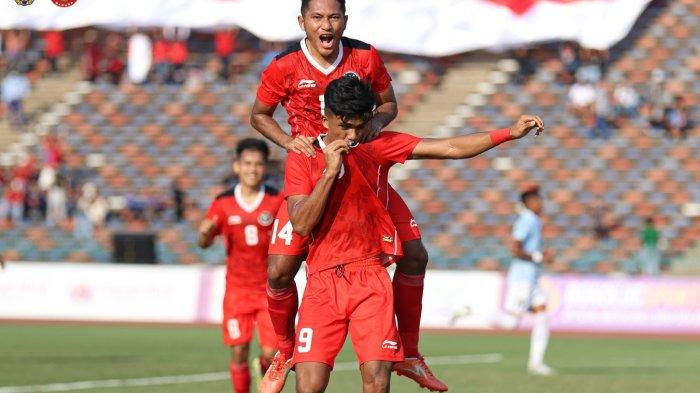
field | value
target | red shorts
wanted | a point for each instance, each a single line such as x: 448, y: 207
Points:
x: 285, y: 242
x: 241, y: 315
x: 359, y: 299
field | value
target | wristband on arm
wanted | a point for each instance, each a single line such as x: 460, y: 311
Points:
x: 500, y: 136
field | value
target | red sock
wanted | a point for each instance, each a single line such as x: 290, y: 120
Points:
x: 408, y: 305
x: 264, y: 364
x: 282, y: 305
x: 240, y: 376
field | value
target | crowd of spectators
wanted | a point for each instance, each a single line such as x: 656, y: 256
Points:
x: 603, y: 105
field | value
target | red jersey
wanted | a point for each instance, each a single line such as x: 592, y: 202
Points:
x: 355, y: 224
x: 246, y: 229
x: 297, y: 81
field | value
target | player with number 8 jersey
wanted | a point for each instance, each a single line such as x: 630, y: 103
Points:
x: 244, y: 217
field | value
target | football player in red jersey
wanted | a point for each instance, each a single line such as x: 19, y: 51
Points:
x: 297, y: 79
x: 243, y: 216
x: 337, y: 197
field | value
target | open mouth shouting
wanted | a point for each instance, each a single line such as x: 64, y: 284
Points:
x: 327, y: 41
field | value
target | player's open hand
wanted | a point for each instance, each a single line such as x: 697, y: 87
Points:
x: 208, y: 226
x: 302, y: 145
x: 333, y: 154
x: 369, y: 131
x: 526, y: 124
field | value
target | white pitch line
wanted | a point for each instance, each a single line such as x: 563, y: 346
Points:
x: 220, y: 376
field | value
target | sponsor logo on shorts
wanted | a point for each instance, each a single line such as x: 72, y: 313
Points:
x: 306, y: 84
x: 388, y: 239
x: 234, y: 220
x: 24, y: 3
x: 265, y: 219
x: 388, y: 344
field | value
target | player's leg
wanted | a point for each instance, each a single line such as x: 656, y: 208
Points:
x: 286, y: 253
x: 373, y: 330
x: 312, y: 377
x: 240, y: 373
x: 376, y: 376
x: 539, y: 338
x: 238, y: 331
x: 283, y: 298
x: 283, y: 301
x: 322, y: 330
x: 410, y: 274
x: 408, y: 293
x: 267, y: 338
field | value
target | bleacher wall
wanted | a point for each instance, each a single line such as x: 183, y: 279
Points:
x: 453, y: 299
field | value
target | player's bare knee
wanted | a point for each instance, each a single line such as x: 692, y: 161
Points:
x: 281, y: 270
x: 308, y: 383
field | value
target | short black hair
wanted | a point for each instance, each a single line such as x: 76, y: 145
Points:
x: 527, y: 194
x: 305, y: 6
x: 253, y: 144
x: 350, y: 97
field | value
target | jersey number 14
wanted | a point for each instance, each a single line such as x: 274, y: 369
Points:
x: 285, y: 233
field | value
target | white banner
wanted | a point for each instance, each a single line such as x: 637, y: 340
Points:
x: 99, y: 292
x: 423, y: 27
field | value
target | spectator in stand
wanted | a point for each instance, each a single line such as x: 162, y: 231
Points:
x: 177, y: 52
x: 582, y: 100
x: 53, y: 47
x: 57, y: 203
x: 603, y: 111
x: 650, y: 255
x: 627, y: 101
x: 570, y: 62
x: 51, y: 149
x: 604, y: 221
x: 92, y: 212
x: 590, y: 69
x: 112, y: 65
x: 656, y: 99
x: 15, y: 88
x: 13, y: 204
x: 92, y: 55
x: 139, y: 58
x: 16, y: 44
x: 34, y: 202
x: 225, y: 45
x: 161, y: 61
x: 677, y: 119
x: 179, y: 200
x: 526, y: 65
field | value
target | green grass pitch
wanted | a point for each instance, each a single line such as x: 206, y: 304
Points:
x: 35, y: 354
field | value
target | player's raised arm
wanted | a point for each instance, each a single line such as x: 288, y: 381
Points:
x: 305, y: 211
x: 467, y: 146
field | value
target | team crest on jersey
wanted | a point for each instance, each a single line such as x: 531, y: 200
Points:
x: 265, y: 219
x: 24, y: 3
x: 306, y: 84
x: 234, y: 220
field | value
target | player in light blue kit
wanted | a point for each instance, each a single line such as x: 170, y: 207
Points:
x: 523, y: 292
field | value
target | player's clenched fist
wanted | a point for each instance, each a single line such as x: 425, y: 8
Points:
x: 333, y: 154
x: 525, y: 124
x: 208, y: 226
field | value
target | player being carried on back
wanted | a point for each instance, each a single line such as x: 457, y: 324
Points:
x: 297, y: 79
x: 243, y: 216
x: 337, y: 197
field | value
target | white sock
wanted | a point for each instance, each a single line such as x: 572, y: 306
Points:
x: 507, y: 321
x: 539, y: 338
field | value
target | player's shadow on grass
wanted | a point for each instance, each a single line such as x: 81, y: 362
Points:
x: 106, y: 359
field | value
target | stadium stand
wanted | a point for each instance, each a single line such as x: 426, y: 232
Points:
x: 136, y: 140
